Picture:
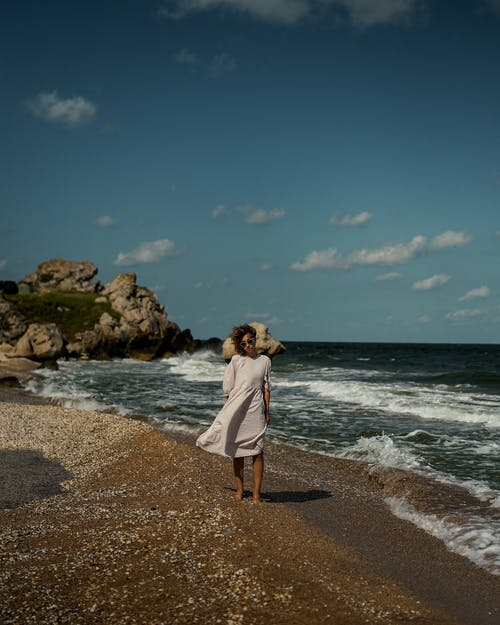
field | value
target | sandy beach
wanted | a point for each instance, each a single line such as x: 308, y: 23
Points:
x: 104, y: 519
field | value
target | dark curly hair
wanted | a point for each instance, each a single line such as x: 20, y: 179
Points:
x: 238, y: 333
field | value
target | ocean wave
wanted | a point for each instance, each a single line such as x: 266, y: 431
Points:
x: 406, y: 399
x: 474, y: 537
x: 202, y: 366
x: 381, y: 450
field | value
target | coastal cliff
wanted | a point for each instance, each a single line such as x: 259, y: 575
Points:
x: 60, y: 310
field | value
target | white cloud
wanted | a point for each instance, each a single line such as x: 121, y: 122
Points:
x: 360, y: 13
x: 284, y: 11
x: 70, y: 112
x: 494, y: 5
x: 218, y: 65
x: 465, y: 313
x: 366, y: 13
x: 256, y: 216
x: 148, y: 252
x: 105, y: 221
x: 354, y: 220
x: 450, y: 238
x: 423, y: 318
x: 3, y: 263
x: 264, y: 317
x: 266, y: 267
x: 431, y: 283
x: 391, y: 254
x: 186, y: 57
x: 327, y: 259
x: 221, y: 64
x: 392, y: 275
x: 482, y: 291
x: 219, y: 211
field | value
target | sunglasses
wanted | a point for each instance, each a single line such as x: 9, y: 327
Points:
x: 249, y: 342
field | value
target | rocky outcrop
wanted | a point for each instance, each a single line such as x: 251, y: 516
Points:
x: 41, y: 341
x: 266, y: 344
x: 143, y: 330
x: 12, y: 324
x: 62, y: 275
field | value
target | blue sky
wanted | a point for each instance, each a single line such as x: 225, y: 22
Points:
x: 330, y: 168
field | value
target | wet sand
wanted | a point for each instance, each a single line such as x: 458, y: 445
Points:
x: 106, y: 520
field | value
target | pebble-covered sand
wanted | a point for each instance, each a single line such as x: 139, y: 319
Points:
x: 105, y: 520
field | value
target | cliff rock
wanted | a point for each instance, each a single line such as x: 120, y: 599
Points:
x: 266, y: 344
x: 62, y: 275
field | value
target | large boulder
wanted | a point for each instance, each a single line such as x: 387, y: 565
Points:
x: 12, y: 324
x: 62, y: 275
x: 266, y: 344
x: 41, y: 341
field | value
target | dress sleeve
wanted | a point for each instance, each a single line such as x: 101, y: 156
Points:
x: 229, y: 376
x: 267, y: 376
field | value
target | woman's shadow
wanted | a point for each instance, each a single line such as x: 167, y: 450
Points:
x: 27, y: 475
x: 290, y: 496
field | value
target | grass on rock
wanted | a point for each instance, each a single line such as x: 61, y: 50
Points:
x: 72, y: 311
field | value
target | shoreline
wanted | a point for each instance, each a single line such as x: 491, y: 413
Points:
x: 325, y: 541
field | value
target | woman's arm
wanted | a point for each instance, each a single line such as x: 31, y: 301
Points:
x: 267, y: 401
x: 228, y: 380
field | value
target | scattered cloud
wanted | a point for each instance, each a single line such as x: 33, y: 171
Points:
x: 199, y: 285
x: 256, y: 216
x: 424, y: 318
x: 348, y: 220
x: 264, y: 317
x: 392, y: 275
x: 3, y: 263
x: 431, y: 283
x: 220, y: 211
x: 465, y: 313
x: 105, y: 221
x: 216, y: 66
x: 482, y: 291
x: 366, y: 13
x: 148, y: 252
x: 281, y: 11
x: 186, y: 57
x: 450, y: 238
x: 221, y: 64
x: 266, y: 267
x: 70, y: 112
x: 494, y: 6
x: 360, y: 13
x: 391, y: 254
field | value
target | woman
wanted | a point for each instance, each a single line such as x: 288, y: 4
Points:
x: 238, y: 430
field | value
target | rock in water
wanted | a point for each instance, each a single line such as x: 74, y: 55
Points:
x: 266, y: 344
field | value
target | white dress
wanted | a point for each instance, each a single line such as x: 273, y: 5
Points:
x: 239, y: 428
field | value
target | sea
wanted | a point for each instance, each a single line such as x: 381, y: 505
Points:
x: 432, y: 410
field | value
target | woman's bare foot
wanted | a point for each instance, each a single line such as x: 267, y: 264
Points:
x: 238, y: 496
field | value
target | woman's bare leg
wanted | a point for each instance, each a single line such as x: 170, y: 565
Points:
x: 239, y: 470
x: 258, y: 474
